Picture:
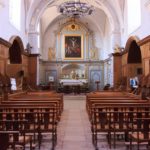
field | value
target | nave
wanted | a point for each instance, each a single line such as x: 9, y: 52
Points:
x: 74, y: 75
x: 74, y: 129
x: 98, y: 120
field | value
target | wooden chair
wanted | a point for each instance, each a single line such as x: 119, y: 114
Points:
x: 16, y: 133
x: 100, y: 125
x: 120, y: 124
x: 48, y: 124
x: 141, y: 133
x: 4, y: 138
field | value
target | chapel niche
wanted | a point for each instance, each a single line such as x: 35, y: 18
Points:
x: 73, y: 71
x: 131, y: 59
x: 134, y: 59
x: 15, y: 53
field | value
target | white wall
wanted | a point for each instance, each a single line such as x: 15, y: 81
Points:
x: 107, y: 47
x: 49, y: 40
x: 144, y: 29
x: 6, y: 29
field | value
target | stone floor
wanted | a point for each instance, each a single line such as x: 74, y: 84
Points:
x: 74, y: 128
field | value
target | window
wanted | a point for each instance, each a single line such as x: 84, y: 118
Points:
x: 133, y: 15
x: 15, y: 13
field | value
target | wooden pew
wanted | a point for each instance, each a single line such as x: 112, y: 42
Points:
x: 140, y: 134
x: 111, y: 120
x: 39, y: 96
x: 14, y: 132
x: 35, y: 103
x: 112, y: 112
x: 94, y: 101
x: 4, y: 138
x: 39, y: 108
x: 44, y: 118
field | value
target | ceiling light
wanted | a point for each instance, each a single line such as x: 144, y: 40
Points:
x: 76, y: 8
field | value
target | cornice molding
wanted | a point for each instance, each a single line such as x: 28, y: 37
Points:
x: 64, y: 62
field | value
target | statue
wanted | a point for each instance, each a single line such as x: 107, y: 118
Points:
x: 28, y: 48
x: 94, y: 53
x: 73, y: 74
x: 51, y: 54
x: 117, y: 49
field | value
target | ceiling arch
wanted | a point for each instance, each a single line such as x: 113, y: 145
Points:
x: 38, y: 7
x: 87, y: 22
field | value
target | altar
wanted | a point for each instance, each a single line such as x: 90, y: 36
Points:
x: 73, y: 85
x: 73, y: 82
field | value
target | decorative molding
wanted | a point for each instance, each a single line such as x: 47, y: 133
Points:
x: 72, y: 27
x: 78, y: 62
x: 79, y: 25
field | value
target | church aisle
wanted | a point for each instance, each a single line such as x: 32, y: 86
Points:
x: 74, y: 128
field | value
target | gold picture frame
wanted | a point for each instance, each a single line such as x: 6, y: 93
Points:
x: 73, y: 47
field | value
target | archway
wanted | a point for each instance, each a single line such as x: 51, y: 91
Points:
x: 16, y: 50
x: 132, y: 68
x: 134, y: 57
x: 134, y: 53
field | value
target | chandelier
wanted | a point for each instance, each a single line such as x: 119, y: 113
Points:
x: 76, y: 8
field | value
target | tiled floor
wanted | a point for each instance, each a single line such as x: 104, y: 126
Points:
x: 74, y: 128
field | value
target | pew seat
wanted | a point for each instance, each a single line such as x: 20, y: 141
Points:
x: 16, y: 133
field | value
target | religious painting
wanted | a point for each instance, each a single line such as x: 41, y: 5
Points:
x: 73, y: 47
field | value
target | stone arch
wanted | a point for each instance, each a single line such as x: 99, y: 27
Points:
x: 132, y: 48
x: 132, y: 58
x: 129, y: 41
x: 16, y: 50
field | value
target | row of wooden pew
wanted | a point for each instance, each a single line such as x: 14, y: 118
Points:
x: 26, y: 116
x: 116, y: 114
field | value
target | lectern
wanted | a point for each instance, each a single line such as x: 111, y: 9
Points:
x: 51, y: 83
x: 97, y: 85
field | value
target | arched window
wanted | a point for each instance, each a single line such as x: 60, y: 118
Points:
x: 15, y: 13
x: 133, y: 15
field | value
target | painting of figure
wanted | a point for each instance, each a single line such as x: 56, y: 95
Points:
x: 73, y: 47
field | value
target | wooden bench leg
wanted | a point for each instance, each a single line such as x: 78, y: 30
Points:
x: 39, y: 139
x: 31, y: 145
x: 95, y: 142
x: 109, y: 139
x: 114, y: 139
x: 130, y: 143
x: 53, y: 140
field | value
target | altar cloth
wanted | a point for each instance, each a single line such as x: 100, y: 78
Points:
x: 73, y: 82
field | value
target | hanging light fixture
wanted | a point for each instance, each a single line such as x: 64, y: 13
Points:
x: 75, y: 8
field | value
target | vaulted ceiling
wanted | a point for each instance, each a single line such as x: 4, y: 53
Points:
x: 105, y: 10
